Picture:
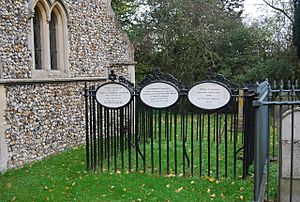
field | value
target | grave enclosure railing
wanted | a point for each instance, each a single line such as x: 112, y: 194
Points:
x: 130, y: 129
x: 277, y: 140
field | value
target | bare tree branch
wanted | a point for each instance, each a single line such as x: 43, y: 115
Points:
x: 280, y: 10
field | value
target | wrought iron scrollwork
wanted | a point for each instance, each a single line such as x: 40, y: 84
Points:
x: 211, y: 75
x: 158, y: 75
x: 112, y: 76
x: 122, y: 79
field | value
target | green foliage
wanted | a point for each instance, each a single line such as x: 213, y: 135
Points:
x: 274, y: 68
x: 296, y: 26
x: 183, y: 38
x: 186, y: 37
x: 233, y: 5
x: 124, y: 9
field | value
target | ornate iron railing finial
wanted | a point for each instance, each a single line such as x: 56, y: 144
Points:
x: 112, y: 76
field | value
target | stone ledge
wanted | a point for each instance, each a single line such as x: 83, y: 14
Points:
x: 122, y: 63
x: 51, y: 80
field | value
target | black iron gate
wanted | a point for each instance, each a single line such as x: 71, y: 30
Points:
x: 177, y: 140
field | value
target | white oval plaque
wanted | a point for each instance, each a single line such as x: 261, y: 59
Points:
x: 159, y: 95
x: 209, y: 95
x: 113, y: 95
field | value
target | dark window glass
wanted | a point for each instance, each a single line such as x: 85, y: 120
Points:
x: 53, y: 41
x: 37, y: 39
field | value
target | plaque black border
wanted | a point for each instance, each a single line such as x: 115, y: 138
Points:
x: 210, y: 81
x: 113, y: 82
x: 160, y: 81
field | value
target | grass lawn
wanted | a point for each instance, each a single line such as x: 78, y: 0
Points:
x: 217, y: 154
x: 62, y: 177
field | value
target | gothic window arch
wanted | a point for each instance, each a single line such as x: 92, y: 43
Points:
x: 39, y: 35
x: 49, y: 38
x: 53, y: 41
x: 59, y: 36
x: 37, y: 23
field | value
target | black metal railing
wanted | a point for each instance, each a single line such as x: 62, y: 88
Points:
x: 179, y: 140
x: 185, y: 140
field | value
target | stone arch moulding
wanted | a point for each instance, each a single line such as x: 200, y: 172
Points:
x: 60, y: 10
x: 42, y: 13
x: 32, y: 4
x: 63, y: 46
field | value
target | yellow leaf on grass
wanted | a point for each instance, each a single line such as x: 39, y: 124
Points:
x: 179, y: 190
x: 8, y: 185
x: 170, y: 175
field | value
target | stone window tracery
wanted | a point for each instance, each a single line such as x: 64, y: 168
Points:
x: 49, y: 38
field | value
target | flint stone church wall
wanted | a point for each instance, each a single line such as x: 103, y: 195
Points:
x: 44, y: 114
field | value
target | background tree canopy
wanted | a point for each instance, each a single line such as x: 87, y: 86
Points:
x: 186, y: 37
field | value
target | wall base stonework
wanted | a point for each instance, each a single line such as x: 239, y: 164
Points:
x: 3, y: 144
x: 43, y: 119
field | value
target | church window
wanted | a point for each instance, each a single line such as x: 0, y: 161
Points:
x: 49, y: 38
x: 53, y: 41
x: 37, y: 39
